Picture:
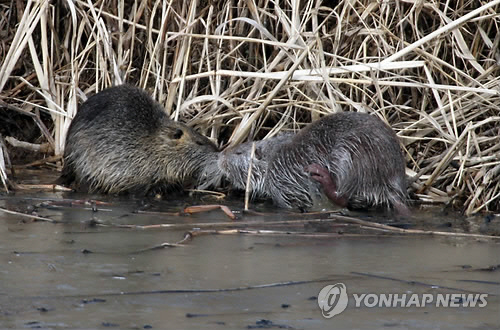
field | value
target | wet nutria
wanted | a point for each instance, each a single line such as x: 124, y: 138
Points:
x: 354, y: 156
x: 122, y: 140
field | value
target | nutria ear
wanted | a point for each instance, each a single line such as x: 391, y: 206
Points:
x: 258, y: 154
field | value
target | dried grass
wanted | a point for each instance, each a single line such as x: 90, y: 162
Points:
x: 244, y: 70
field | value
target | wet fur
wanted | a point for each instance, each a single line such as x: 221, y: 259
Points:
x: 122, y: 140
x: 361, y: 153
x: 234, y: 162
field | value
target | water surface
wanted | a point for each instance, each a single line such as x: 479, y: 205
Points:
x: 76, y: 274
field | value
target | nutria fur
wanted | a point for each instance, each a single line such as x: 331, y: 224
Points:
x: 234, y: 161
x: 360, y: 153
x: 122, y: 140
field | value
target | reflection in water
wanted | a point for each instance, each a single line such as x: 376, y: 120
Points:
x: 72, y: 275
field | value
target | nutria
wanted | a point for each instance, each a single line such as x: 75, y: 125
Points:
x: 122, y: 140
x: 354, y: 156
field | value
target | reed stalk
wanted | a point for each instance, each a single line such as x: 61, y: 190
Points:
x: 248, y: 69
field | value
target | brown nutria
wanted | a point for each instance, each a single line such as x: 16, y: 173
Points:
x: 122, y: 140
x: 354, y: 156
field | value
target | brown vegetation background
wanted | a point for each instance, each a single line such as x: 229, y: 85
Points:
x: 240, y: 70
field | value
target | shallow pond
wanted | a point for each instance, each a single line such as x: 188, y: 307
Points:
x: 90, y: 271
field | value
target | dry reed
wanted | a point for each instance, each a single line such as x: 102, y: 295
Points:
x: 248, y: 69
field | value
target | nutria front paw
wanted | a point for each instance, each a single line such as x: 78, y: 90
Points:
x: 320, y: 174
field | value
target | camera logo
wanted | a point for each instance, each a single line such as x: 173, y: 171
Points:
x: 332, y: 300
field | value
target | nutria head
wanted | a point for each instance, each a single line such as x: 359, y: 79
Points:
x: 235, y: 161
x: 183, y: 153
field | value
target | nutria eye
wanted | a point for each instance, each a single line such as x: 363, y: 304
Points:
x: 178, y: 134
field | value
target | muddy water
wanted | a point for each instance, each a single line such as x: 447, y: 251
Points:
x: 75, y: 274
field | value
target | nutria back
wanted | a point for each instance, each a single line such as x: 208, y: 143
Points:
x: 122, y: 140
x: 360, y: 152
